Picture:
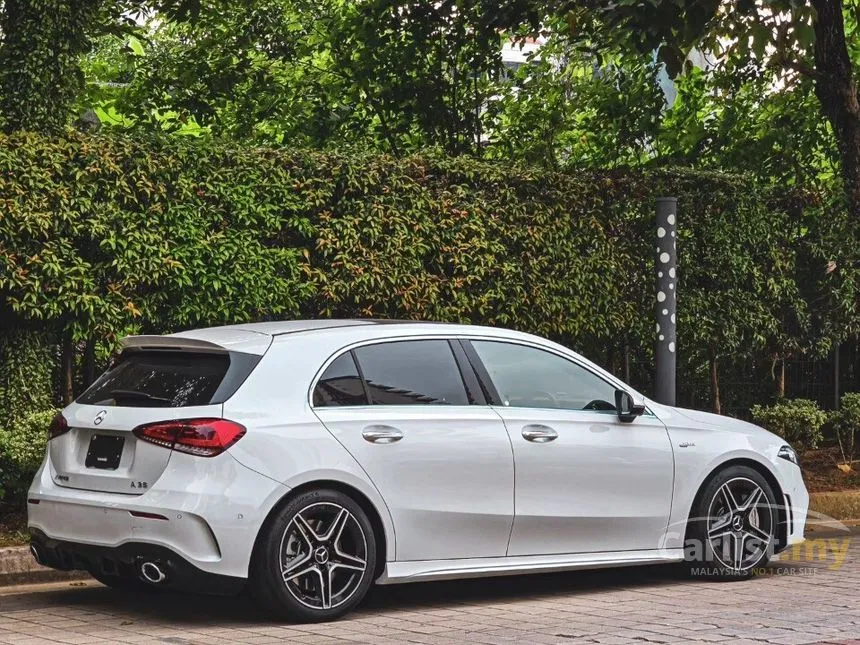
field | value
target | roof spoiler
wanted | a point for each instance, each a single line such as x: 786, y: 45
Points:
x: 248, y: 343
x: 171, y: 343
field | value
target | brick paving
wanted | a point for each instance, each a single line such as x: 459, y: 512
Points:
x: 806, y: 597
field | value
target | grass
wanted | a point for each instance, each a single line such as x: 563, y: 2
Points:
x: 844, y: 505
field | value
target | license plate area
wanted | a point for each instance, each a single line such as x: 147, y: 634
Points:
x: 105, y: 452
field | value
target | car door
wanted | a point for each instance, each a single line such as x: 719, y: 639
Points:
x: 443, y: 465
x: 585, y: 481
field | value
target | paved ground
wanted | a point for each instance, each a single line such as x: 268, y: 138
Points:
x: 812, y: 599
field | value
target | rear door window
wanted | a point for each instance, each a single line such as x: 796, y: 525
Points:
x: 340, y: 384
x: 170, y: 379
x: 420, y: 372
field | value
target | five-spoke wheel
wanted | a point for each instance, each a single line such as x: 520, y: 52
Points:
x: 317, y: 558
x: 733, y: 526
x: 323, y: 555
x: 741, y: 524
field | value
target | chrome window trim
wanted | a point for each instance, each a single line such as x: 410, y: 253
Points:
x: 618, y: 385
x: 378, y: 341
x: 466, y: 337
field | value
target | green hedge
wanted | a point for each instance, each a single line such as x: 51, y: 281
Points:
x: 22, y: 447
x: 26, y: 374
x: 102, y: 236
x: 27, y: 365
x: 100, y: 232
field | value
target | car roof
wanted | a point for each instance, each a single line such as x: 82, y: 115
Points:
x: 279, y: 327
x: 253, y: 338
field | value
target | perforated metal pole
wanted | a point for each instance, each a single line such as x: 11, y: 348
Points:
x: 666, y: 300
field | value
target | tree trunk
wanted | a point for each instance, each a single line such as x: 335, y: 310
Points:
x: 780, y: 378
x: 68, y: 373
x: 836, y: 374
x: 90, y: 361
x: 836, y: 89
x: 716, y: 406
x: 626, y: 361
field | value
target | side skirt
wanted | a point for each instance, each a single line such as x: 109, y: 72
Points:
x: 420, y: 570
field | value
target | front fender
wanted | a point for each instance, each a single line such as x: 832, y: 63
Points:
x: 699, y: 453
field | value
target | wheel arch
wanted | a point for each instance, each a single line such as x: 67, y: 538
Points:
x: 373, y: 514
x: 770, y: 478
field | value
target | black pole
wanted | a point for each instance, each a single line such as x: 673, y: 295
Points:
x: 665, y: 307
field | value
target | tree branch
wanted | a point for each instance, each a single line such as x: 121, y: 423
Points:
x: 802, y: 68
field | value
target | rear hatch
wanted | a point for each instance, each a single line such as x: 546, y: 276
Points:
x: 154, y: 379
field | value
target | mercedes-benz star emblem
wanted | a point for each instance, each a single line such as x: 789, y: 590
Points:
x: 100, y: 417
x: 321, y: 555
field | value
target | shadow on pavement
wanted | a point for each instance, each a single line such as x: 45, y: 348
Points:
x: 182, y: 609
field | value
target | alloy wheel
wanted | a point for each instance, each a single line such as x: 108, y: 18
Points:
x: 323, y: 555
x: 740, y: 524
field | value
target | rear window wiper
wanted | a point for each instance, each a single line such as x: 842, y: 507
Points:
x: 140, y: 396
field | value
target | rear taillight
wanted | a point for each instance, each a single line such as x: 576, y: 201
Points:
x: 201, y: 437
x: 59, y: 426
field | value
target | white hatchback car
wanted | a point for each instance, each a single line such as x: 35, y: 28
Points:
x: 310, y: 459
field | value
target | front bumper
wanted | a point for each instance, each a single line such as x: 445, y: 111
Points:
x: 203, y: 512
x: 798, y: 509
x: 796, y: 500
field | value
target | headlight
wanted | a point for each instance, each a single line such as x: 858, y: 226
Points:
x: 787, y: 452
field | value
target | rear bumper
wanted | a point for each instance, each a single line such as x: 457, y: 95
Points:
x: 128, y: 560
x: 204, y: 512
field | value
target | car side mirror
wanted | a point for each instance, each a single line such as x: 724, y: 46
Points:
x: 626, y: 407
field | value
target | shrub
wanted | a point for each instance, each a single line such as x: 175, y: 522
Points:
x: 22, y: 447
x: 26, y: 384
x: 798, y: 421
x: 27, y: 362
x: 846, y: 424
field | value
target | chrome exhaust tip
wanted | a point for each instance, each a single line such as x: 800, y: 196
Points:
x: 152, y: 572
x: 34, y: 551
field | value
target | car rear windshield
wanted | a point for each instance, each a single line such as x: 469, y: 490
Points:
x: 170, y: 379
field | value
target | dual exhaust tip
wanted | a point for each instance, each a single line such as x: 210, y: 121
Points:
x: 149, y: 570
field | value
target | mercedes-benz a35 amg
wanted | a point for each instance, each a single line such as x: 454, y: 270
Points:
x: 308, y: 460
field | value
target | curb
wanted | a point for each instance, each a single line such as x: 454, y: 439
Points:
x: 17, y: 566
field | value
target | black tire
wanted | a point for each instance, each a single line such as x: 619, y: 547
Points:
x: 731, y: 534
x: 303, y: 536
x: 124, y: 583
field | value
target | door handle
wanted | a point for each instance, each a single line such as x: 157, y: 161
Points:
x: 381, y: 434
x: 539, y: 434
